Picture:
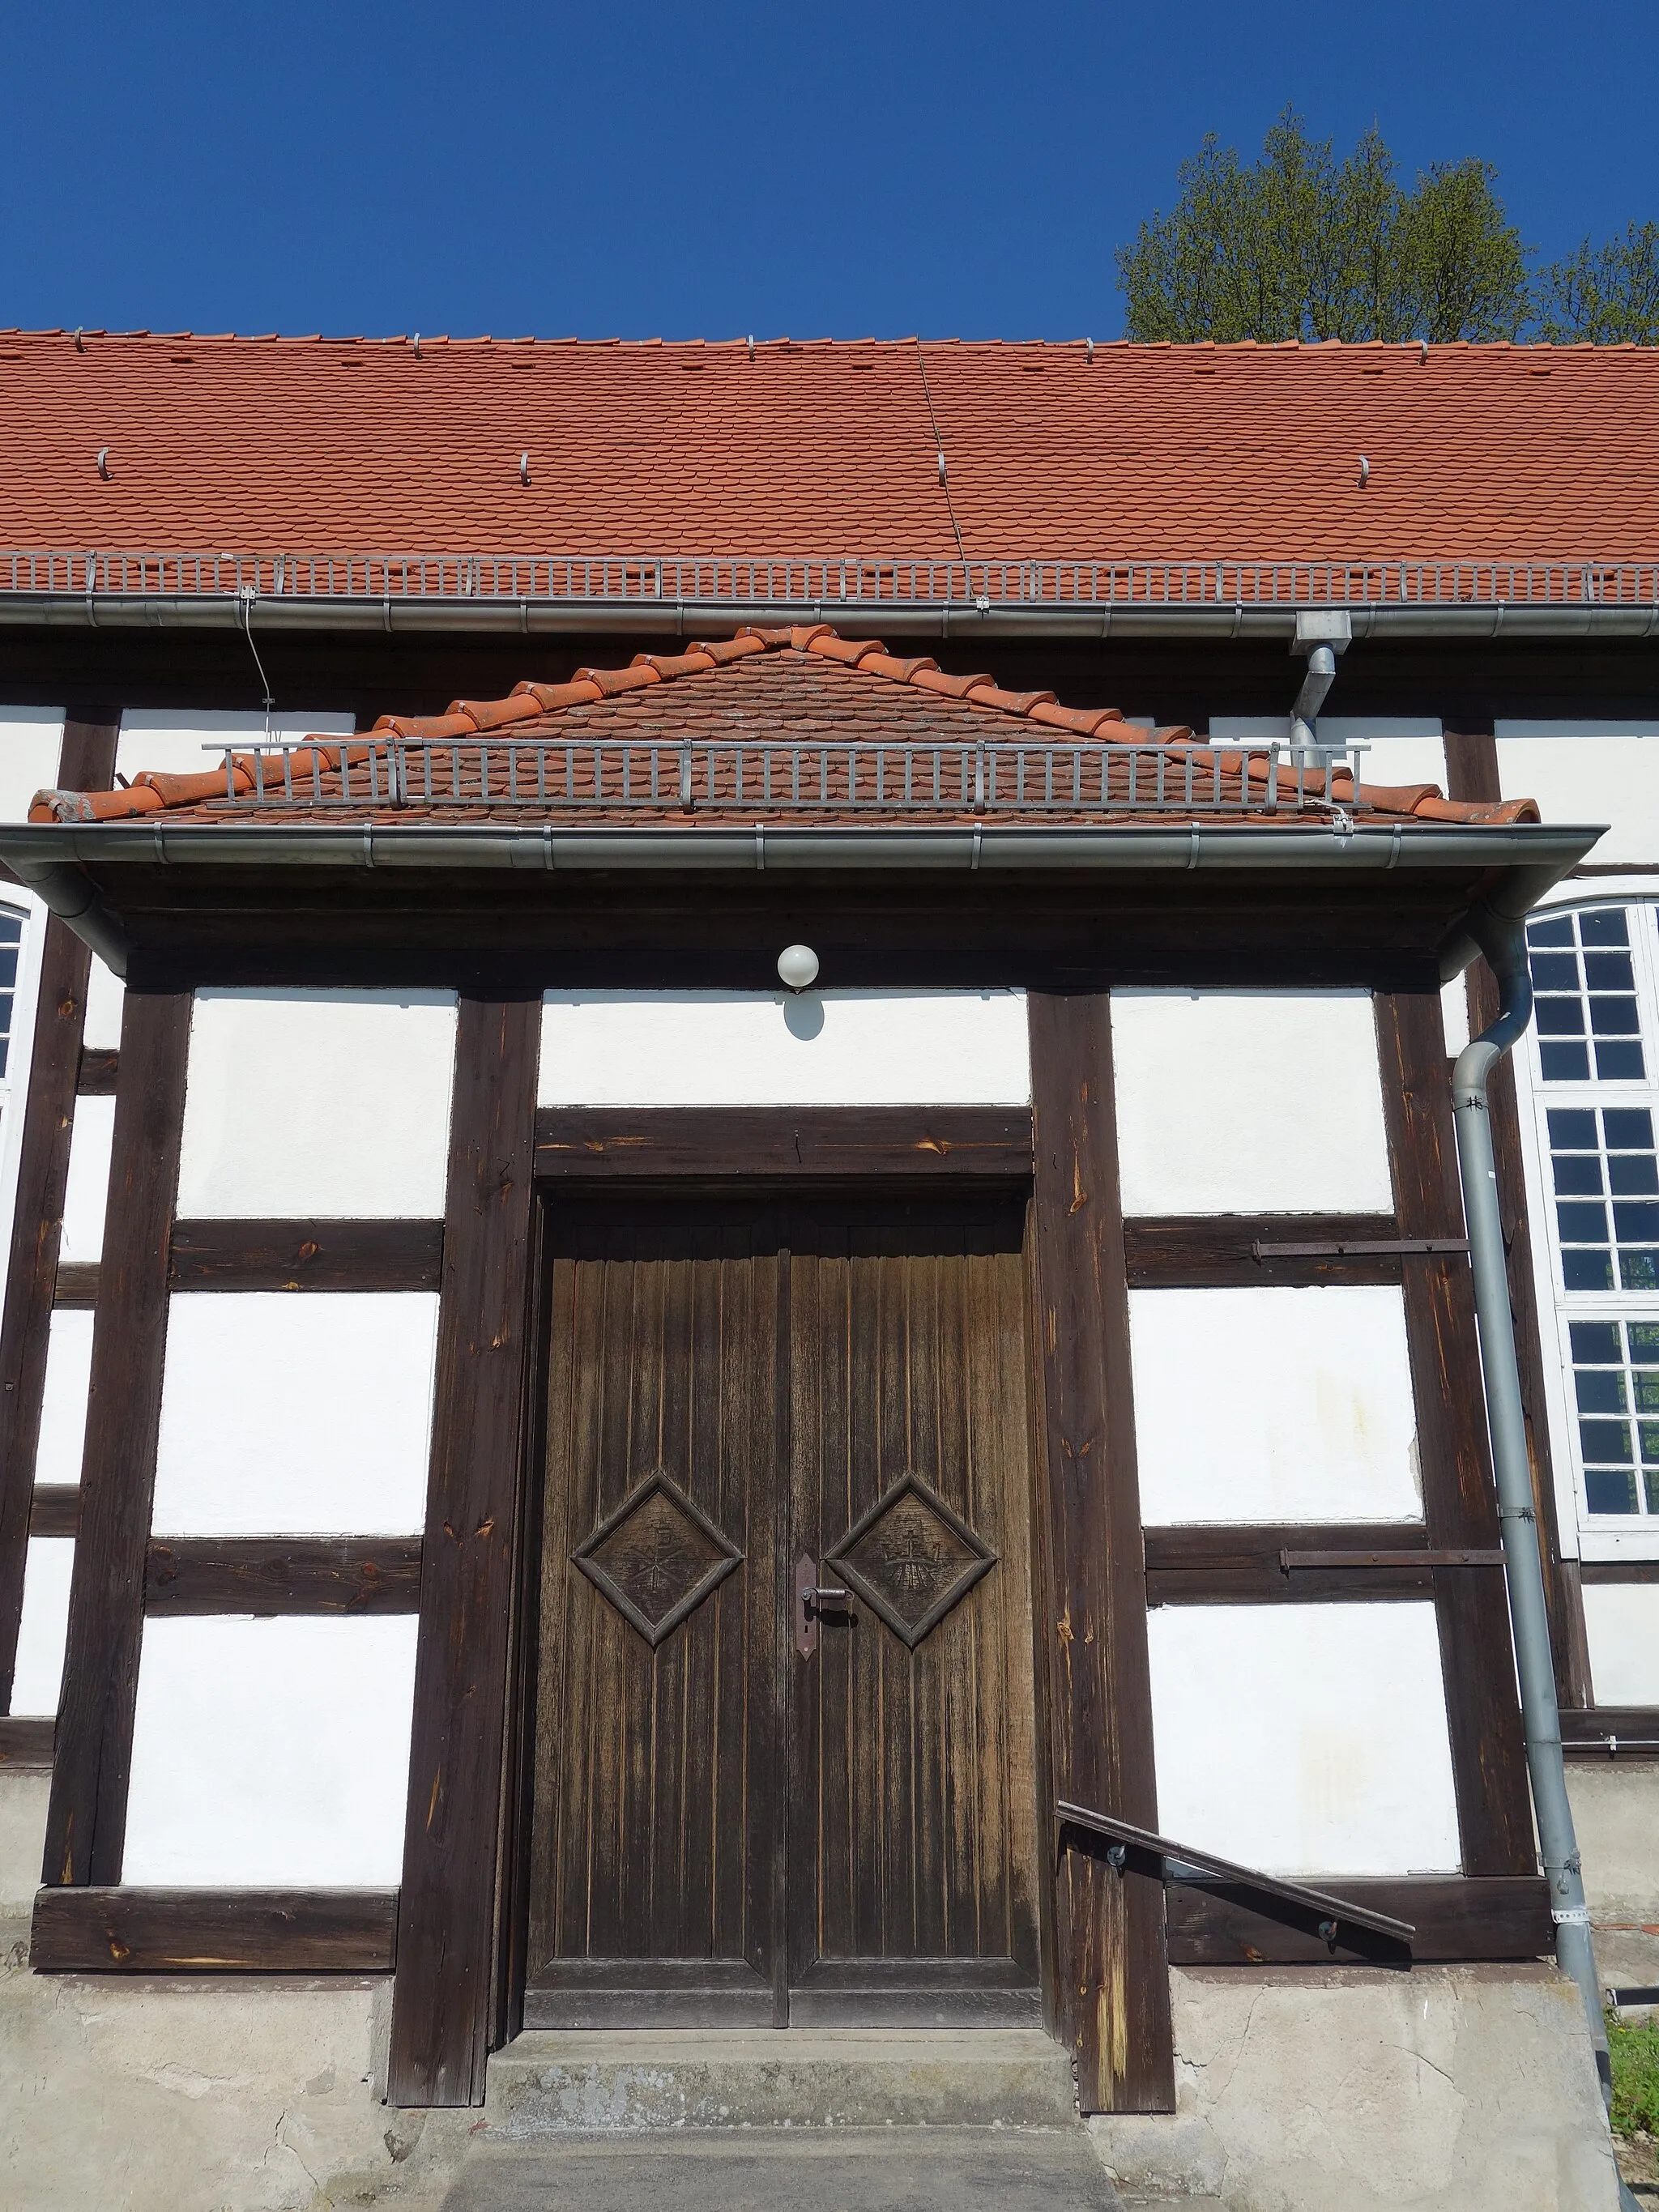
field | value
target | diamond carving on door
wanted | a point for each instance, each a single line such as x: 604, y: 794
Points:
x: 657, y: 1557
x: 911, y: 1557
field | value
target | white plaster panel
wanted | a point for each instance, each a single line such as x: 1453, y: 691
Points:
x: 88, y: 1186
x: 1454, y: 1015
x: 317, y: 1103
x: 772, y: 1049
x: 1587, y: 773
x: 1399, y: 748
x: 1621, y: 1620
x: 44, y: 1625
x: 31, y: 738
x: 63, y: 1398
x: 1275, y: 1403
x: 106, y: 997
x: 171, y: 740
x: 295, y: 1414
x: 1304, y: 1739
x: 1249, y: 1101
x: 271, y: 1752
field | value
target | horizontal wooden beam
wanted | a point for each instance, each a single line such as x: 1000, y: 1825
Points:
x: 1226, y: 1565
x: 1608, y: 1732
x: 271, y: 1575
x: 26, y: 1742
x: 74, y: 1287
x: 55, y: 1509
x: 215, y: 1931
x: 787, y: 1142
x: 1619, y: 1571
x: 305, y: 1256
x: 1215, y: 1250
x: 95, y: 1076
x: 1453, y: 1917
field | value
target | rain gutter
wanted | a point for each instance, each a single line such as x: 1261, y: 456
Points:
x: 907, y: 619
x: 49, y: 858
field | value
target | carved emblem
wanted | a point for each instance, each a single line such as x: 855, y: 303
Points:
x: 911, y: 1557
x: 657, y: 1557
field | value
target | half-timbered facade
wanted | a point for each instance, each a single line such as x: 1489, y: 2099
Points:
x: 572, y: 1475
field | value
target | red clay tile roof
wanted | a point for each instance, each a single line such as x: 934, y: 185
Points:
x: 805, y: 687
x: 828, y: 449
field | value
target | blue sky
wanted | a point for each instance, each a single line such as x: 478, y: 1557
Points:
x: 640, y: 169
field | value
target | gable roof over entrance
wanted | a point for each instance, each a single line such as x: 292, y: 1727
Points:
x: 794, y: 725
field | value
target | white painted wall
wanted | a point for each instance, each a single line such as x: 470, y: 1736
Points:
x: 1400, y: 748
x: 1274, y: 1404
x: 106, y: 999
x: 64, y: 1397
x: 31, y: 738
x: 771, y: 1048
x: 271, y: 1752
x: 1304, y: 1739
x: 44, y: 1625
x: 317, y: 1103
x: 171, y: 740
x: 1244, y: 1101
x: 88, y: 1186
x: 295, y: 1414
x: 1621, y: 1621
x: 1588, y: 772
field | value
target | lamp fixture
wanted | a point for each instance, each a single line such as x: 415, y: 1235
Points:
x: 798, y: 967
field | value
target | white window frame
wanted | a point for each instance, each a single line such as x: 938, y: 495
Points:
x: 14, y: 1082
x: 1590, y: 1536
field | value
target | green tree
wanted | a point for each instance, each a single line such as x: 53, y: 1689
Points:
x: 1299, y: 245
x: 1603, y: 295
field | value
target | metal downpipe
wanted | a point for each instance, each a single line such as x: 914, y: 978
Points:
x: 1502, y: 938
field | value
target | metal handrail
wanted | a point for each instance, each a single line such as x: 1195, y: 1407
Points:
x: 809, y: 581
x: 1183, y: 1856
x: 584, y: 774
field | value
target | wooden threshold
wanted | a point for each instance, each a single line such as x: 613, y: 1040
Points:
x: 787, y: 1142
x: 215, y: 1931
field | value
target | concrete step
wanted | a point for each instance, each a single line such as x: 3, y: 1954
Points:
x: 554, y: 2082
x: 890, y: 2169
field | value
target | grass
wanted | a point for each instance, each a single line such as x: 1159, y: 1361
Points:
x: 1635, y: 2053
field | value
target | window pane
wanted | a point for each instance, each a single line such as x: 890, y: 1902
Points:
x: 1609, y: 1489
x: 1594, y: 1343
x: 1584, y: 1270
x: 1607, y: 926
x: 1630, y: 1129
x: 1644, y: 1343
x: 1560, y: 1018
x: 1580, y: 1224
x: 1550, y: 933
x: 1556, y: 971
x: 1635, y: 1221
x: 1614, y: 1018
x: 1607, y: 971
x: 1637, y: 1270
x: 1605, y: 1440
x: 1564, y: 1063
x: 1576, y: 1176
x: 1572, y: 1130
x: 1601, y: 1391
x: 1630, y: 1173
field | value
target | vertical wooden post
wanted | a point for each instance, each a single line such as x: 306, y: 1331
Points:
x: 1112, y: 1956
x: 444, y: 2003
x: 86, y: 763
x: 1459, y: 1500
x: 86, y: 1827
x: 1472, y: 773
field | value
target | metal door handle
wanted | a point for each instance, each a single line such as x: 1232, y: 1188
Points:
x: 810, y: 1598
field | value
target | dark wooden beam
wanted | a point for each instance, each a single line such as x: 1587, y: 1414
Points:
x: 1619, y: 1571
x: 1217, y: 1248
x: 87, y: 1824
x: 55, y: 1509
x: 26, y: 1742
x: 1226, y: 1565
x: 1610, y: 1732
x: 444, y: 2005
x: 305, y: 1256
x: 86, y: 758
x: 788, y: 1142
x: 215, y: 1931
x: 76, y: 1287
x: 271, y: 1575
x: 1454, y: 1917
x: 1460, y: 1501
x: 1112, y: 1963
x: 98, y: 1072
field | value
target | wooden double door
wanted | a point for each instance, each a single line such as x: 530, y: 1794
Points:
x: 783, y: 1758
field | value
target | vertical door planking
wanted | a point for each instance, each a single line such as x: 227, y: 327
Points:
x: 1112, y: 1958
x: 1460, y: 1503
x: 444, y: 2001
x: 86, y: 1825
